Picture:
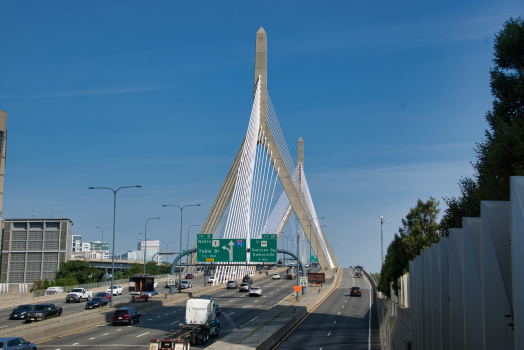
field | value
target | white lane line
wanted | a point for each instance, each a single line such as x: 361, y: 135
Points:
x: 142, y: 334
x: 3, y: 326
x: 346, y: 301
x: 342, y: 307
x: 339, y: 313
x: 75, y: 344
x: 118, y: 330
x: 150, y: 319
x: 335, y: 322
x: 329, y: 334
x: 159, y: 316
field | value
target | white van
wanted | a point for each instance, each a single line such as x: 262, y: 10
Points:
x: 54, y: 290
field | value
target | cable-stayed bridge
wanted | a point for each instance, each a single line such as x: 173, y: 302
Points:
x: 263, y: 170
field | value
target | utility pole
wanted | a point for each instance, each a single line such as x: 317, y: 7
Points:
x: 382, y: 239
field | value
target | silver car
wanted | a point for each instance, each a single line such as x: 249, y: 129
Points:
x: 256, y: 291
x: 16, y: 343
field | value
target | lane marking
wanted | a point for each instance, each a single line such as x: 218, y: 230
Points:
x: 335, y: 322
x: 329, y: 334
x: 142, y: 334
x: 339, y: 312
x: 309, y: 313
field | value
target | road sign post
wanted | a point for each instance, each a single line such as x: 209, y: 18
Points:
x: 171, y: 280
x: 220, y: 250
x: 303, y: 281
x: 263, y: 249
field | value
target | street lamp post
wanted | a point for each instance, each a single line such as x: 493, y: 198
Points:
x: 382, y: 239
x: 102, y: 233
x: 180, y: 270
x: 187, y: 243
x: 167, y: 248
x: 145, y: 242
x: 114, y: 222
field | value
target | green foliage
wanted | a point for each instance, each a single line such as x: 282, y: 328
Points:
x: 80, y: 271
x: 119, y: 275
x: 377, y: 276
x: 501, y: 154
x: 165, y: 268
x: 419, y: 229
x: 152, y: 268
x: 134, y: 269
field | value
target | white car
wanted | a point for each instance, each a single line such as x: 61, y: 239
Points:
x: 117, y: 290
x: 211, y: 279
x: 276, y: 276
x: 255, y: 291
x: 185, y: 284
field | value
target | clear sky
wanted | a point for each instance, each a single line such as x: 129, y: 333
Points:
x: 389, y: 98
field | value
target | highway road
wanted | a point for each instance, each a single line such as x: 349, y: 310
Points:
x: 340, y: 322
x: 237, y: 309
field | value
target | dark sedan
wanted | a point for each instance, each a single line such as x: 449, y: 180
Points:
x: 127, y: 315
x: 16, y: 343
x: 355, y: 291
x: 104, y: 295
x: 20, y: 312
x: 97, y: 302
x: 189, y: 276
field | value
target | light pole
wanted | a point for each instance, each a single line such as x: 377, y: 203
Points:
x: 145, y: 242
x: 114, y: 221
x: 382, y: 239
x: 167, y: 248
x: 102, y: 233
x: 187, y: 243
x: 181, y: 209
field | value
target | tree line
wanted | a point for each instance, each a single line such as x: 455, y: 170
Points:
x: 499, y: 155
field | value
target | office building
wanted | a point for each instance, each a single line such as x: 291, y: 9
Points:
x: 33, y: 249
x: 77, y: 243
x: 150, y: 245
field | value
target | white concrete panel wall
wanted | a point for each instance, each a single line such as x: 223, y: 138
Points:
x: 423, y: 303
x: 444, y: 294
x: 411, y: 297
x: 435, y: 292
x: 517, y: 256
x: 473, y: 333
x: 455, y: 290
x: 429, y: 299
x: 419, y: 302
x: 496, y: 275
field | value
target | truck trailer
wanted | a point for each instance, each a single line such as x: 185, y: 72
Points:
x: 200, y: 324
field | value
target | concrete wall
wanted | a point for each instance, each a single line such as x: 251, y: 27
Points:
x: 462, y: 289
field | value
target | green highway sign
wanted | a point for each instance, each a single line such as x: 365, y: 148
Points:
x: 264, y: 249
x: 220, y: 250
x: 313, y: 258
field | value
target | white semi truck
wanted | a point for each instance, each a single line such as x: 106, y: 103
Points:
x: 201, y: 323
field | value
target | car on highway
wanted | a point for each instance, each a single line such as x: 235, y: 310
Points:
x: 43, y: 312
x: 20, y: 311
x: 127, y: 315
x: 276, y: 276
x: 103, y: 295
x: 232, y: 285
x: 244, y: 287
x: 255, y: 291
x: 355, y: 291
x: 189, y: 276
x: 247, y: 279
x: 211, y: 279
x: 97, y: 302
x: 290, y: 276
x: 185, y: 284
x: 150, y: 294
x: 17, y: 343
x: 117, y: 290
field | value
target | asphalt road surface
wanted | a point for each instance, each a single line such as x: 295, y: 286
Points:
x: 340, y: 322
x: 237, y: 309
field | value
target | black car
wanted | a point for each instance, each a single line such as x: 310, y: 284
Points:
x: 247, y: 279
x: 97, y: 302
x: 43, y: 312
x: 20, y: 311
x: 126, y: 315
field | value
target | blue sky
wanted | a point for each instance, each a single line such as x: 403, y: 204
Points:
x: 389, y: 99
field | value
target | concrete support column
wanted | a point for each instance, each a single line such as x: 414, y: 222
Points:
x: 496, y: 274
x: 429, y: 299
x: 456, y: 295
x: 444, y: 294
x: 473, y: 334
x: 517, y: 256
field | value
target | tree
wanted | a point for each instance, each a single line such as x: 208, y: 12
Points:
x: 119, y: 275
x: 152, y: 268
x: 501, y: 154
x: 165, y: 268
x: 79, y: 270
x: 419, y: 229
x: 134, y: 269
